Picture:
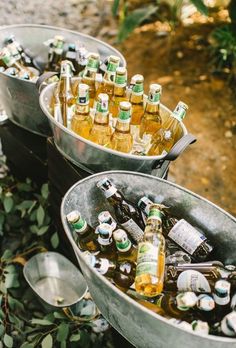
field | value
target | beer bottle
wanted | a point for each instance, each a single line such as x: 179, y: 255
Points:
x: 107, y: 85
x: 82, y: 56
x: 12, y: 72
x: 105, y: 218
x: 81, y: 122
x: 106, y: 243
x: 9, y: 61
x: 178, y: 257
x: 200, y: 327
x: 136, y: 99
x: 221, y: 295
x: 151, y: 120
x: 170, y: 132
x: 126, y: 251
x: 57, y: 53
x: 212, y: 271
x: 101, y: 131
x: 127, y: 214
x: 176, y: 306
x: 18, y: 52
x: 151, y: 256
x: 124, y: 274
x: 89, y: 75
x: 65, y: 92
x: 84, y: 234
x: 102, y: 265
x: 119, y: 91
x: 122, y: 139
x: 71, y: 55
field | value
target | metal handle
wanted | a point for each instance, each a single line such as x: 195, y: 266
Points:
x: 42, y: 78
x: 160, y: 167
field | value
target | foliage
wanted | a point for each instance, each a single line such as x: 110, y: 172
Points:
x: 26, y: 228
x: 129, y: 20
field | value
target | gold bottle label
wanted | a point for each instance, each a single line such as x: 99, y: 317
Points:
x: 147, y: 261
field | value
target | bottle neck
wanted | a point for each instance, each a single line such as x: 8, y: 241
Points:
x: 82, y: 109
x: 136, y: 98
x: 65, y: 84
x: 119, y: 91
x: 124, y: 246
x: 101, y: 118
x: 152, y: 108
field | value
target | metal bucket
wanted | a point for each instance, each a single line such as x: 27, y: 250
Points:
x: 20, y: 97
x: 55, y: 280
x: 95, y: 158
x: 137, y: 324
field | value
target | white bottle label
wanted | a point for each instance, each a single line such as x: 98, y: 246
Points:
x: 186, y: 236
x: 134, y: 230
x: 104, y: 266
x: 147, y: 259
x: 193, y: 281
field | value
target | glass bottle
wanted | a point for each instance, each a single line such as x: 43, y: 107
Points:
x: 212, y: 271
x: 71, y: 55
x: 136, y: 99
x: 125, y: 249
x: 56, y: 53
x: 84, y: 234
x: 170, y: 132
x: 124, y: 274
x: 126, y: 213
x: 18, y: 52
x: 122, y: 139
x: 89, y: 75
x: 221, y: 295
x: 102, y: 265
x: 151, y: 256
x: 119, y: 91
x: 151, y: 120
x: 228, y: 325
x: 101, y: 131
x: 106, y: 243
x: 81, y: 122
x: 9, y: 61
x: 65, y: 92
x: 107, y: 85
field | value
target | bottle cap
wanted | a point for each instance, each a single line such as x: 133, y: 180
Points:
x: 83, y: 94
x: 106, y: 187
x: 222, y: 292
x: 228, y: 324
x: 180, y: 111
x: 144, y: 204
x: 73, y: 216
x: 121, y: 70
x: 105, y: 217
x: 125, y: 105
x: 104, y: 230
x: 138, y: 78
x: 200, y: 327
x: 205, y: 303
x: 186, y: 300
x: 93, y: 55
x: 113, y: 59
x: 123, y: 243
x: 71, y: 47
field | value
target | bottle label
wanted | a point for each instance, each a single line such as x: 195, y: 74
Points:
x: 65, y: 70
x: 120, y: 81
x: 110, y: 192
x: 104, y: 266
x: 102, y: 106
x: 154, y: 98
x: 186, y: 236
x: 222, y: 301
x: 92, y: 65
x: 80, y: 225
x: 111, y: 67
x: 104, y: 241
x: 83, y: 97
x: 134, y: 230
x: 193, y: 281
x: 8, y: 60
x: 137, y: 89
x: 155, y: 214
x: 124, y: 245
x: 147, y: 260
x: 179, y: 113
x: 124, y: 116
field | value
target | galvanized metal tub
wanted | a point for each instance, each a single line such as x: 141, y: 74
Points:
x: 19, y: 97
x: 95, y: 158
x: 137, y: 324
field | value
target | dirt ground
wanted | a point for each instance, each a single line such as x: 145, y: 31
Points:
x: 181, y: 63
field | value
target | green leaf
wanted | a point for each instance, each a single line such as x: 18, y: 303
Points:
x: 34, y: 229
x: 115, y: 7
x: 55, y: 240
x: 59, y: 315
x: 8, y: 341
x: 43, y: 322
x: 62, y: 332
x: 40, y: 215
x: 24, y: 187
x: 75, y: 337
x: 27, y: 345
x: 134, y: 19
x: 15, y: 304
x: 2, y: 219
x: 200, y: 6
x: 11, y: 280
x: 2, y: 330
x: 63, y: 344
x: 42, y: 230
x: 45, y: 191
x: 8, y: 204
x: 7, y: 255
x: 47, y: 341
